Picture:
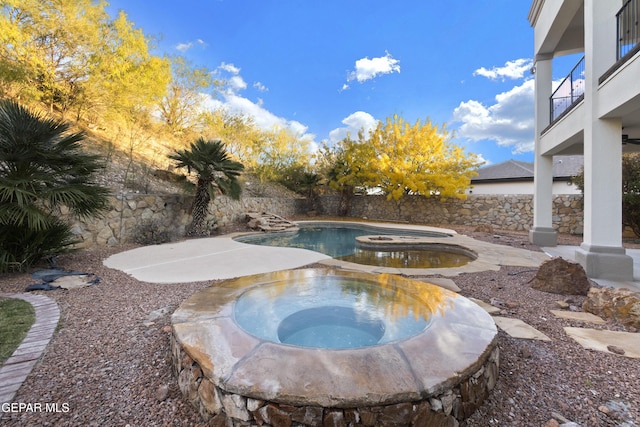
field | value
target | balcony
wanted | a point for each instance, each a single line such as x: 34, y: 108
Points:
x: 627, y: 29
x: 568, y: 93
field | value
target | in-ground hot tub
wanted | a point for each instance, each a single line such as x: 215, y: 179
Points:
x: 323, y: 347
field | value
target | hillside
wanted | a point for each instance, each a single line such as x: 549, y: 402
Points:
x: 143, y: 167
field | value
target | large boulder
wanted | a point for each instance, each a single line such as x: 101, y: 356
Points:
x: 622, y: 305
x: 559, y: 276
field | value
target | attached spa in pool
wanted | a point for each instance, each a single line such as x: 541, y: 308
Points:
x: 313, y: 347
x: 342, y: 242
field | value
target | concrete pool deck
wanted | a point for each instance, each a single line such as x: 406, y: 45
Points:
x: 211, y: 258
x: 216, y: 258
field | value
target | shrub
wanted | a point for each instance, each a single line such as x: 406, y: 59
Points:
x: 42, y: 167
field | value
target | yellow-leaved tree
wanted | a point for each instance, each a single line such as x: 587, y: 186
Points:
x: 242, y: 137
x: 398, y: 159
x: 281, y: 152
x: 417, y: 159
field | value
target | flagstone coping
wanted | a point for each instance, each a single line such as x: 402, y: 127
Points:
x: 490, y: 256
x: 17, y: 367
x: 599, y: 340
x: 443, y: 283
x: 487, y: 307
x: 516, y: 328
x: 581, y: 316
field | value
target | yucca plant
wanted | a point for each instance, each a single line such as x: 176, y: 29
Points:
x: 42, y: 168
x: 214, y: 171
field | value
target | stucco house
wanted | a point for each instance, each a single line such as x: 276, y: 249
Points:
x: 516, y: 177
x: 595, y: 112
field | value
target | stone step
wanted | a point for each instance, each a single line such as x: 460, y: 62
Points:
x: 607, y: 341
x: 516, y: 328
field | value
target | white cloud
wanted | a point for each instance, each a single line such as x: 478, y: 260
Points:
x: 232, y: 102
x: 236, y: 83
x: 511, y: 70
x: 367, y: 69
x: 509, y: 122
x: 263, y: 118
x: 354, y: 122
x: 229, y: 68
x: 183, y: 47
x: 260, y: 87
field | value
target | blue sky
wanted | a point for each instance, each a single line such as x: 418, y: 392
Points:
x: 326, y: 67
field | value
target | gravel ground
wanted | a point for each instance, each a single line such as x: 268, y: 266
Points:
x: 112, y: 369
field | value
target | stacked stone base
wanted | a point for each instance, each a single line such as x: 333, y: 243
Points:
x: 219, y: 408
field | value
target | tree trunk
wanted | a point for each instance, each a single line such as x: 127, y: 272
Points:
x: 200, y: 211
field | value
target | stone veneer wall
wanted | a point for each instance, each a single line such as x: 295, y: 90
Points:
x: 170, y: 213
x: 507, y: 212
x: 445, y: 408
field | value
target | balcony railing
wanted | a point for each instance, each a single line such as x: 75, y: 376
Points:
x: 628, y: 35
x: 569, y: 92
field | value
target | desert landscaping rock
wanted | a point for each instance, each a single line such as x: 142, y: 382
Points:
x: 560, y: 276
x: 620, y: 304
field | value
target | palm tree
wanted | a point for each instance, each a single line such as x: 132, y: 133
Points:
x: 215, y: 172
x: 42, y: 168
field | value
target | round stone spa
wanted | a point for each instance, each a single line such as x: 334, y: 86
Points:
x: 325, y: 347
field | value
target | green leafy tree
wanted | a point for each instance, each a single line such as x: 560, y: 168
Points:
x: 214, y: 171
x: 630, y: 190
x: 42, y: 169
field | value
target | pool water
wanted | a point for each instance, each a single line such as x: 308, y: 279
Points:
x: 330, y: 327
x: 418, y: 258
x: 340, y: 242
x: 334, y: 241
x: 334, y: 312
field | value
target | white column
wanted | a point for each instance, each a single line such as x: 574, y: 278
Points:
x: 601, y: 253
x: 542, y: 232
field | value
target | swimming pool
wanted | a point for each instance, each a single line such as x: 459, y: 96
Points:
x: 334, y: 240
x: 339, y: 241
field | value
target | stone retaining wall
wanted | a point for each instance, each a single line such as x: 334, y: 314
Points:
x: 507, y: 212
x: 132, y: 214
x: 218, y: 407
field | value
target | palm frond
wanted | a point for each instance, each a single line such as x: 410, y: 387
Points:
x: 42, y: 166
